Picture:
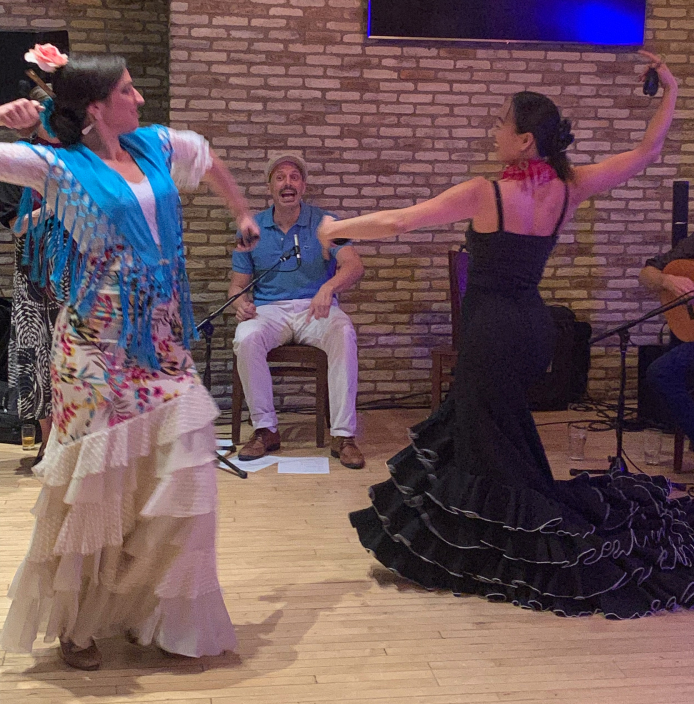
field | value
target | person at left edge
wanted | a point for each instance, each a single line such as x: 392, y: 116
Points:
x: 124, y: 540
x: 295, y: 303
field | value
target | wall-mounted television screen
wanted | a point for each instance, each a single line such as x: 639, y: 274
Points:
x: 601, y: 22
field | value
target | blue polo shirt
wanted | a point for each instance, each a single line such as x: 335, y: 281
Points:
x: 287, y: 282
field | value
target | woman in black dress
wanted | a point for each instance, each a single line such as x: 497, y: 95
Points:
x: 472, y: 506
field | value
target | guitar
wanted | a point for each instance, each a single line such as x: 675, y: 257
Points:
x: 680, y: 319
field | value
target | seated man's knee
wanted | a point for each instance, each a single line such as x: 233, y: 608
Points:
x: 660, y: 376
x: 340, y: 331
x: 248, y: 341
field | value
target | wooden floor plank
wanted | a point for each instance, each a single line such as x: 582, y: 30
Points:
x: 318, y: 621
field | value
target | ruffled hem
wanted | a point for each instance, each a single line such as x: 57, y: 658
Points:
x: 194, y: 628
x: 629, y: 599
x: 423, y: 472
x: 139, y: 436
x: 166, y: 456
x: 187, y: 625
x: 133, y: 533
x: 613, y: 544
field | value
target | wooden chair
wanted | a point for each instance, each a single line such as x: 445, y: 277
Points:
x: 444, y: 358
x: 294, y: 361
x: 680, y: 437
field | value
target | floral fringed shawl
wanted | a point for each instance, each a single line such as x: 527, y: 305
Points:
x: 90, y: 193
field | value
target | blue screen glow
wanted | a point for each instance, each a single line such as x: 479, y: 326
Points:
x: 602, y: 22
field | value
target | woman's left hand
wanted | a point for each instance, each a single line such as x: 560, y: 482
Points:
x: 667, y: 80
x: 250, y: 233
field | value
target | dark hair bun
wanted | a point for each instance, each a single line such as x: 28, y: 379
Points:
x: 563, y: 138
x: 66, y: 124
x: 536, y: 113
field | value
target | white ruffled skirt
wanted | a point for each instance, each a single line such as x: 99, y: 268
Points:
x: 124, y: 538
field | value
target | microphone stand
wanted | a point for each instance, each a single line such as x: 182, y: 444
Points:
x: 617, y: 463
x: 207, y: 329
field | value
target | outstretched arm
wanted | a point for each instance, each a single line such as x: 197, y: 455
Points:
x: 604, y: 176
x: 225, y: 186
x: 460, y: 202
x: 193, y: 160
x: 19, y: 164
x: 20, y: 114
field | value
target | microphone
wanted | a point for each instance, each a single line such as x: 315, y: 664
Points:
x: 297, y: 249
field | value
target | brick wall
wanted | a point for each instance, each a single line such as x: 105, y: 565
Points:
x: 383, y: 125
x: 139, y: 30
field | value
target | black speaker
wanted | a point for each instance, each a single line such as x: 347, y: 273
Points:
x: 680, y: 210
x: 567, y: 377
x: 13, y: 66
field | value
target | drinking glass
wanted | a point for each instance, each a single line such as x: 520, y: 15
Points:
x: 578, y: 433
x: 652, y: 445
x: 28, y: 436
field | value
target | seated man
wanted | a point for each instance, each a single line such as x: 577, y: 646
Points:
x: 295, y: 303
x: 671, y: 373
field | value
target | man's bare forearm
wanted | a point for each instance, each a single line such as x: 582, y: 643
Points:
x: 653, y: 279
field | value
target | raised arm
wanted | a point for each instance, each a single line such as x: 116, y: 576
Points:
x: 19, y: 164
x: 193, y: 161
x: 460, y: 202
x: 225, y: 186
x: 604, y: 176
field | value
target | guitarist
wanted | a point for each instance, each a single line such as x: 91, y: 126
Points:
x: 671, y: 374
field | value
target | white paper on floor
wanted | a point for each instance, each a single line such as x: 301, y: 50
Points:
x: 224, y: 442
x: 304, y: 465
x: 253, y: 465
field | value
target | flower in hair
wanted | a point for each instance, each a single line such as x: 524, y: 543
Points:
x: 47, y: 56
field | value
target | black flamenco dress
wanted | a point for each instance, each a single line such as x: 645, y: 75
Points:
x: 471, y: 505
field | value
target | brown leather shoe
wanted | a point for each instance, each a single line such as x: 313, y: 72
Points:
x: 262, y: 442
x: 80, y: 658
x: 347, y: 452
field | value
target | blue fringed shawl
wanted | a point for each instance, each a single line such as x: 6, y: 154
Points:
x: 89, y: 193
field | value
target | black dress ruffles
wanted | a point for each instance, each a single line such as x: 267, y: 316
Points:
x: 471, y: 505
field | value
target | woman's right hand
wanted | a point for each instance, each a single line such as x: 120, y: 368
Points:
x: 250, y: 233
x: 667, y: 80
x: 20, y: 114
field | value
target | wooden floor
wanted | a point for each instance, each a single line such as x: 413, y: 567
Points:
x: 318, y: 621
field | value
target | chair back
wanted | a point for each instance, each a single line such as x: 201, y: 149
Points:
x: 457, y: 275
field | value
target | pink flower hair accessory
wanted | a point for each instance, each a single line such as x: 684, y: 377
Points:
x: 47, y: 57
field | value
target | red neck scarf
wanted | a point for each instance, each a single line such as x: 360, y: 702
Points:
x: 536, y: 171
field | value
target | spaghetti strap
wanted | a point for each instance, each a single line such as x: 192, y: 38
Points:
x: 563, y: 210
x: 499, y: 209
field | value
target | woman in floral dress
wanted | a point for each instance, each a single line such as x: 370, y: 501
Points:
x: 125, y: 521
